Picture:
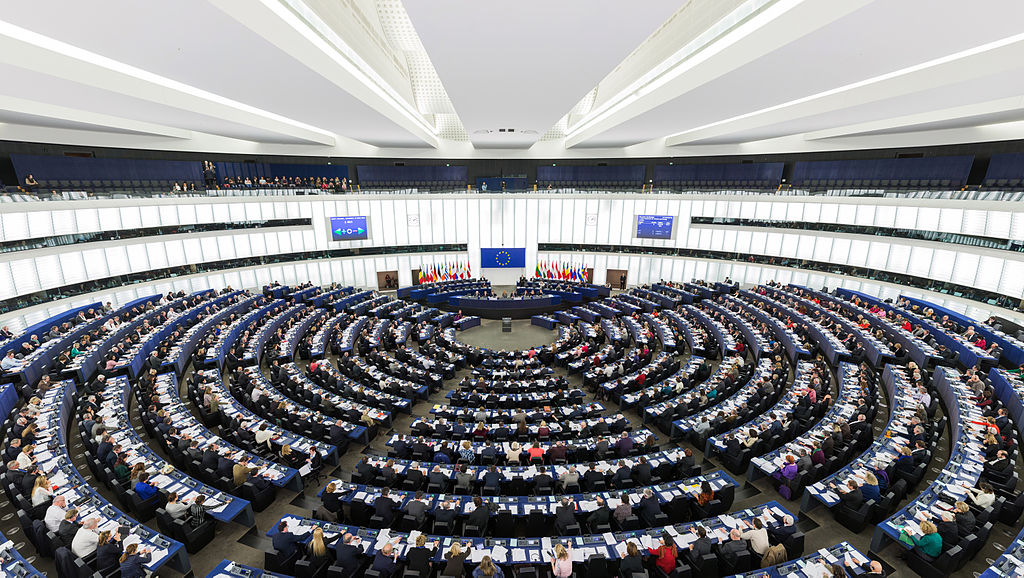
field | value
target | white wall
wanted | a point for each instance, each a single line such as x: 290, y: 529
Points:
x: 496, y: 220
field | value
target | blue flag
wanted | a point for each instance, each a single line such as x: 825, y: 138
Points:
x: 500, y: 258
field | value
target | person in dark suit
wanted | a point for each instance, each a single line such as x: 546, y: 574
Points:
x: 402, y: 449
x: 331, y: 500
x: 210, y: 457
x: 642, y: 471
x: 782, y: 534
x: 728, y: 550
x: 386, y: 561
x: 565, y: 516
x: 480, y: 515
x: 702, y: 545
x: 493, y: 478
x: 108, y: 551
x: 733, y: 449
x: 592, y: 477
x: 948, y: 530
x: 349, y: 555
x: 339, y: 436
x: 384, y: 507
x: 965, y: 520
x: 602, y: 515
x: 415, y: 477
x: 285, y: 542
x: 419, y: 557
x: 998, y: 464
x: 68, y: 528
x: 225, y: 467
x: 445, y: 513
x: 648, y: 508
x: 852, y: 498
x: 437, y: 478
x: 543, y: 479
x: 624, y: 446
x: 686, y: 462
x: 920, y: 453
x: 622, y: 475
x: 905, y: 463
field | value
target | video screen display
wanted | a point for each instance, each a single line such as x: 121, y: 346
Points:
x: 653, y: 227
x: 348, y: 228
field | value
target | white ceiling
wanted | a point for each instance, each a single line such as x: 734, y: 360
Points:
x: 522, y: 65
x: 574, y: 78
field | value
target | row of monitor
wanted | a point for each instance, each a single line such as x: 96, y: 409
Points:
x: 646, y: 227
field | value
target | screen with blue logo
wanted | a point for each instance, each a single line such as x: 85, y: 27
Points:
x: 653, y: 227
x: 500, y: 258
x: 348, y: 228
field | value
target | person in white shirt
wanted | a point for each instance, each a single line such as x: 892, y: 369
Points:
x: 86, y: 539
x: 983, y: 497
x: 24, y: 459
x: 9, y: 362
x: 55, y: 514
x: 263, y: 435
x: 758, y: 537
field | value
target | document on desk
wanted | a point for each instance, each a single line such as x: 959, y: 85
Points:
x: 477, y: 554
x: 577, y: 554
x: 816, y: 570
x: 518, y: 555
x: 685, y: 539
x: 499, y: 554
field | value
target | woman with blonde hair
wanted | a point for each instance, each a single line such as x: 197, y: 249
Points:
x: 317, y: 548
x: 870, y: 487
x: 561, y: 563
x: 512, y: 457
x: 32, y: 409
x: 419, y: 557
x: 487, y: 569
x: 965, y: 520
x: 291, y: 459
x: 930, y: 544
x: 456, y: 558
x: 466, y: 453
x: 41, y: 493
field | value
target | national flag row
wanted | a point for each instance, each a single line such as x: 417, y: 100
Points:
x: 444, y: 272
x: 561, y: 271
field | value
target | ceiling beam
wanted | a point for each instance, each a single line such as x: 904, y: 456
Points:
x: 774, y: 27
x: 279, y: 25
x: 39, y: 53
x: 41, y: 109
x: 992, y: 58
x: 1003, y: 105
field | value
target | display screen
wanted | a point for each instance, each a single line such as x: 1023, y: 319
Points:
x: 348, y: 228
x: 653, y: 227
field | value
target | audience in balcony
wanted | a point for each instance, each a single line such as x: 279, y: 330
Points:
x: 324, y: 183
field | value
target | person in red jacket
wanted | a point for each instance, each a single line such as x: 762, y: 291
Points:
x: 666, y: 553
